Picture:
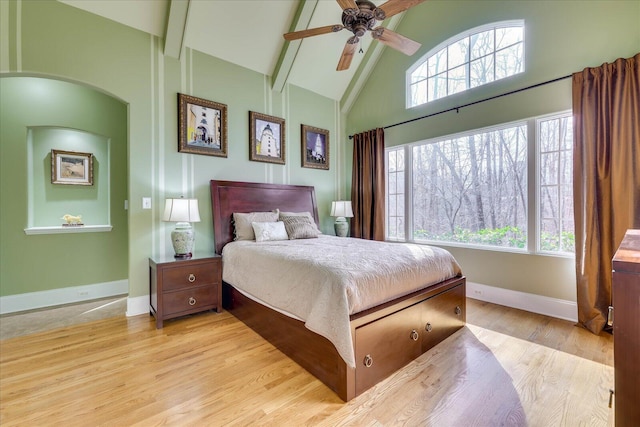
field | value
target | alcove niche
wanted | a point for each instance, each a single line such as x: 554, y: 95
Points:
x: 48, y: 202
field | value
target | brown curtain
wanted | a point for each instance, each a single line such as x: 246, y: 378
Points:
x: 606, y: 181
x: 367, y: 185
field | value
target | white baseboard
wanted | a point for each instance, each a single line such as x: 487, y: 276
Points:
x: 562, y: 309
x: 53, y: 297
x: 137, y: 305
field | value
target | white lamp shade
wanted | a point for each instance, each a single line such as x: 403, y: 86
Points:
x: 181, y: 210
x: 342, y: 209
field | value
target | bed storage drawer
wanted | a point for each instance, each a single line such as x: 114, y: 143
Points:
x: 442, y: 315
x: 384, y: 346
x: 387, y: 344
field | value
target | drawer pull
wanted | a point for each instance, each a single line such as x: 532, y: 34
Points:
x: 458, y: 310
x: 414, y: 335
x: 428, y: 327
x: 368, y: 361
x: 192, y: 278
x: 192, y: 301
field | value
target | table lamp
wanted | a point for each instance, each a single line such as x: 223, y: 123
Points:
x: 342, y: 210
x: 182, y: 212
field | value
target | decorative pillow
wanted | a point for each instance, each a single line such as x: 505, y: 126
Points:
x: 284, y: 215
x: 242, y: 223
x: 300, y: 227
x: 266, y: 231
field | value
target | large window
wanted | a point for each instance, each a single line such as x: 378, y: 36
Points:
x: 474, y: 58
x: 472, y: 189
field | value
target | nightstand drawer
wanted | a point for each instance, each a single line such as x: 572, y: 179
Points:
x: 195, y: 299
x: 188, y: 276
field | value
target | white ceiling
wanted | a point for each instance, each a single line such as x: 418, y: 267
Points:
x: 249, y: 33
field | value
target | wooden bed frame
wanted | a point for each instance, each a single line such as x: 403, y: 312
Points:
x: 386, y: 337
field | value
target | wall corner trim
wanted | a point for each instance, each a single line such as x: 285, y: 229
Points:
x: 137, y: 305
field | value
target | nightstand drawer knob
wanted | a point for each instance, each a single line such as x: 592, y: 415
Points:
x: 458, y: 310
x: 192, y: 301
x: 192, y: 278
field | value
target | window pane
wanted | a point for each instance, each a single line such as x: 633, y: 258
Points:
x: 509, y: 61
x: 481, y: 71
x: 438, y: 62
x: 457, y: 80
x: 420, y: 73
x: 472, y: 189
x: 437, y: 86
x: 391, y: 183
x: 508, y: 36
x: 392, y: 199
x: 419, y: 93
x: 549, y: 168
x: 458, y: 53
x: 400, y: 162
x: 482, y: 44
x: 391, y: 161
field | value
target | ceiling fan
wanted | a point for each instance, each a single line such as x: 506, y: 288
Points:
x: 360, y: 16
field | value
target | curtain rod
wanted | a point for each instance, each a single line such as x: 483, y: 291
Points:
x: 456, y: 109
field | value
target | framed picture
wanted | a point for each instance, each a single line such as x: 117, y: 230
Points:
x: 315, y: 147
x: 70, y: 167
x: 266, y: 138
x: 202, y: 126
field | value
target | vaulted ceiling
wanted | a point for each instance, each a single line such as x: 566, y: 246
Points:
x: 249, y: 33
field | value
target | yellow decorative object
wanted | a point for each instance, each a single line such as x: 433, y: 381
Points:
x: 72, y: 220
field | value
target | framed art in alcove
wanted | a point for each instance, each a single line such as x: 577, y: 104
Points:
x: 266, y: 138
x: 202, y: 126
x: 71, y: 168
x: 315, y: 147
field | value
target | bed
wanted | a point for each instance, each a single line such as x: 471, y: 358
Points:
x: 382, y: 336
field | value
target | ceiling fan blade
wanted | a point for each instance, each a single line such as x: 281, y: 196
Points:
x: 313, y: 32
x: 348, y: 4
x: 395, y: 40
x: 393, y: 7
x: 347, y: 53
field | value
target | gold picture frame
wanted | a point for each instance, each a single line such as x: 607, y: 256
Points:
x: 202, y: 126
x: 266, y: 138
x: 71, y: 168
x: 315, y: 147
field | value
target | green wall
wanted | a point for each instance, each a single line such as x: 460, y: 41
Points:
x: 562, y: 37
x: 38, y: 115
x: 50, y: 39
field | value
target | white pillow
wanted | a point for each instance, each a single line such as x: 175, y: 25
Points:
x: 242, y: 223
x: 266, y: 231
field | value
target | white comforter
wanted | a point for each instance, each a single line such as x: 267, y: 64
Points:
x: 322, y: 281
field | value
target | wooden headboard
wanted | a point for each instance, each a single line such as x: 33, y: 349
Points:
x: 228, y: 197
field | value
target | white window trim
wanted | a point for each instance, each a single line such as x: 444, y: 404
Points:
x: 453, y: 39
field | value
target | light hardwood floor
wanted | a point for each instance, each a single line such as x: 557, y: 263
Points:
x: 504, y: 368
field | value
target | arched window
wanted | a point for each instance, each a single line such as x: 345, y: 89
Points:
x: 476, y: 57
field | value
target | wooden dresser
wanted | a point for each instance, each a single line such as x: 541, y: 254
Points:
x: 626, y: 330
x: 184, y: 286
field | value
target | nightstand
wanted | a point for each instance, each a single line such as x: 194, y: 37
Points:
x: 184, y: 286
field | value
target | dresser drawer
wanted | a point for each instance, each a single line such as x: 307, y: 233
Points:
x: 188, y: 276
x: 194, y: 299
